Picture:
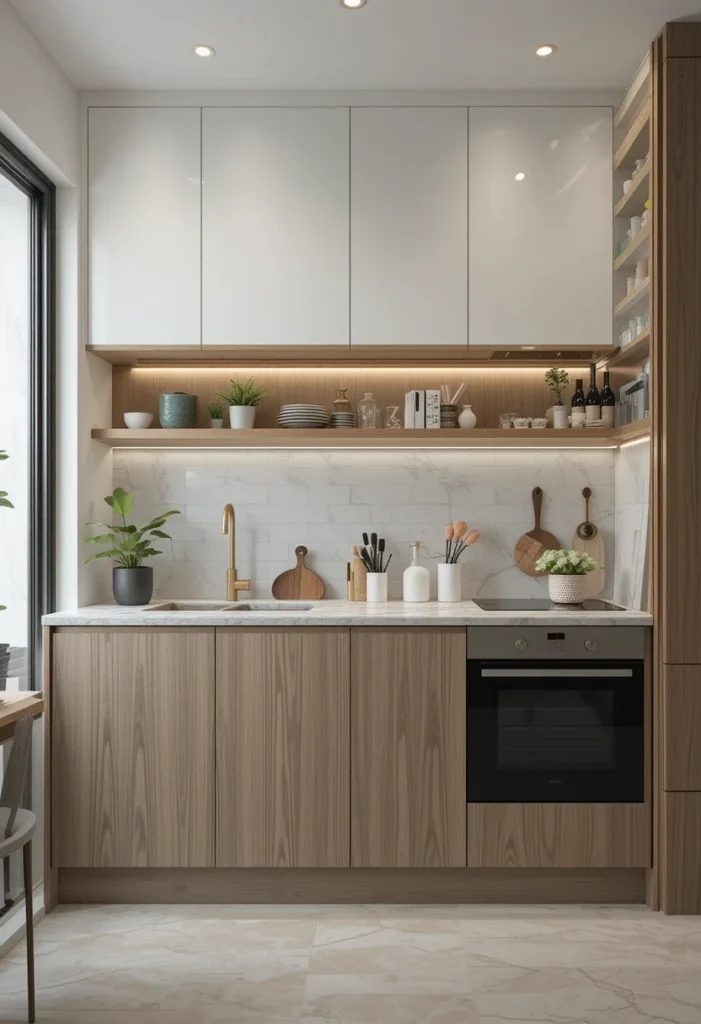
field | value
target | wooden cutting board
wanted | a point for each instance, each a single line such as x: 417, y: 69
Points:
x: 592, y: 546
x: 530, y: 546
x: 300, y: 583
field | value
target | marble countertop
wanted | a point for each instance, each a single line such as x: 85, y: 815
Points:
x: 336, y: 613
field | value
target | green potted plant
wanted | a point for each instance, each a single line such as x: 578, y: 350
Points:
x: 557, y: 381
x: 4, y: 648
x: 129, y: 545
x: 216, y: 415
x: 567, y: 572
x: 243, y: 400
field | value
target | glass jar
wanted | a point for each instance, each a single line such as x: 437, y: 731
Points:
x: 368, y: 412
x: 392, y: 421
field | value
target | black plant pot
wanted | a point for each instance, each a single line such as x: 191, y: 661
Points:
x: 132, y: 586
x: 4, y: 664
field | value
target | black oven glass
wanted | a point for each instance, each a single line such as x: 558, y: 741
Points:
x: 555, y: 732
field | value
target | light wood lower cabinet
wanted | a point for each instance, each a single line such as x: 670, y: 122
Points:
x: 681, y: 721
x: 558, y: 836
x: 132, y: 748
x: 408, y: 774
x: 283, y: 733
x: 681, y: 853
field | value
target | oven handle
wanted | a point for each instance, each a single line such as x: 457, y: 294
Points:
x: 554, y: 673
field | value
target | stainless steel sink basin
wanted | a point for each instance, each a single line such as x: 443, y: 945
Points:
x: 230, y: 606
x: 188, y: 606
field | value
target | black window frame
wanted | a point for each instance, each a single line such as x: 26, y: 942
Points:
x: 41, y: 191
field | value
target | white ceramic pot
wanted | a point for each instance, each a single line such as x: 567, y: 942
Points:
x: 449, y: 582
x: 216, y: 424
x: 467, y: 418
x: 560, y: 417
x: 242, y: 417
x: 567, y: 589
x: 376, y: 587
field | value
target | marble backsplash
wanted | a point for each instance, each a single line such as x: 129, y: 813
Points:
x: 326, y: 499
x: 632, y: 504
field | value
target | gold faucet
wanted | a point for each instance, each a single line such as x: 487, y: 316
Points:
x: 233, y: 584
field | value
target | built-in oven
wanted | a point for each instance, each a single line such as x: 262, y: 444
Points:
x: 555, y: 714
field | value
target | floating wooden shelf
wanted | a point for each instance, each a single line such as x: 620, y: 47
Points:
x: 327, y: 438
x: 631, y: 254
x: 637, y: 95
x: 631, y: 301
x: 636, y: 143
x: 634, y: 354
x: 633, y: 202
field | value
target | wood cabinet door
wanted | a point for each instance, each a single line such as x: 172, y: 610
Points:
x: 408, y: 769
x: 144, y: 225
x: 132, y: 748
x: 275, y: 225
x: 283, y: 748
x: 408, y: 226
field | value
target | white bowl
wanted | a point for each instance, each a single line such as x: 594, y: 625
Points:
x: 138, y: 420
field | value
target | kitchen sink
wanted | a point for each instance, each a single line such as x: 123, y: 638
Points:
x: 231, y: 606
x: 188, y: 606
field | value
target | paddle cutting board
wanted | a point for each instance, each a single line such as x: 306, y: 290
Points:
x: 300, y: 583
x: 595, y: 548
x: 530, y: 546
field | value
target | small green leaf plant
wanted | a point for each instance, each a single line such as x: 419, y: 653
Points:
x: 566, y: 562
x: 216, y: 410
x: 557, y: 381
x: 4, y: 503
x: 243, y: 394
x: 126, y: 543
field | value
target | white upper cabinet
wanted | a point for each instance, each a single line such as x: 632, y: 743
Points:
x: 540, y: 226
x: 144, y: 225
x: 409, y: 226
x: 275, y: 226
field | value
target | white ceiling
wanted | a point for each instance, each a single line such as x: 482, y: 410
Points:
x: 316, y: 44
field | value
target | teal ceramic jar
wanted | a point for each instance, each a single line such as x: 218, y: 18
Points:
x: 177, y: 410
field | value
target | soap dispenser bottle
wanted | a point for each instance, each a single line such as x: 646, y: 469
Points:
x: 417, y: 581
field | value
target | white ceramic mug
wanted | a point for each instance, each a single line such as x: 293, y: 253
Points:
x: 376, y: 587
x: 627, y: 185
x: 636, y: 226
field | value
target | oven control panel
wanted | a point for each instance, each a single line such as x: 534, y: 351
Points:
x: 537, y: 642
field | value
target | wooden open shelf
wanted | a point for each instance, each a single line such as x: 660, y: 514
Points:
x: 631, y: 254
x: 633, y: 202
x: 328, y: 438
x: 634, y: 354
x: 636, y: 143
x: 631, y: 301
x: 637, y: 95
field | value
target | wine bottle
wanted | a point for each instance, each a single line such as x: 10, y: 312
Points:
x: 608, y: 403
x: 593, y: 399
x: 578, y: 410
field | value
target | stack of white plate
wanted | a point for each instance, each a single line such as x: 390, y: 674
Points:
x: 301, y: 415
x: 342, y: 420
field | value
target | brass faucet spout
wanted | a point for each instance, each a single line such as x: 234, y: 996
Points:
x: 233, y: 583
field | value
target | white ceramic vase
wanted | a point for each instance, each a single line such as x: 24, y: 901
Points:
x: 242, y: 417
x: 216, y: 424
x: 567, y: 589
x: 467, y: 418
x: 560, y: 417
x: 376, y: 587
x: 449, y: 582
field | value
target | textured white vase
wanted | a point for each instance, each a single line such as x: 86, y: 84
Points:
x: 567, y: 589
x: 467, y: 418
x: 560, y: 417
x: 376, y: 587
x: 242, y: 417
x: 449, y: 582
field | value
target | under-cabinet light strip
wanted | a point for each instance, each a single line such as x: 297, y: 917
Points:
x: 363, y: 448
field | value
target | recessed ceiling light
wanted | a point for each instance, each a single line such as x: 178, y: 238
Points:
x: 545, y: 50
x: 352, y: 5
x: 202, y: 50
x: 520, y: 176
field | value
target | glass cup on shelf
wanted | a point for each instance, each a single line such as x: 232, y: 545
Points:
x: 392, y: 421
x: 368, y: 412
x: 506, y: 420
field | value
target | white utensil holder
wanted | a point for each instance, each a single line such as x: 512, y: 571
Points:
x: 449, y: 582
x: 376, y: 587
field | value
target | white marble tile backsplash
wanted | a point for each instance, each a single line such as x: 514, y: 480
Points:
x: 632, y: 490
x: 325, y: 500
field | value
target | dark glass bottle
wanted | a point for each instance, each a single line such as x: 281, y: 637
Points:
x: 578, y: 410
x: 593, y: 399
x: 608, y: 402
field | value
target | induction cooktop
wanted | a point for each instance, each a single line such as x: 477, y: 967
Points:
x: 527, y: 604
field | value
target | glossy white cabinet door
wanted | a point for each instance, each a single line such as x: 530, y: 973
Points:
x: 541, y: 247
x: 409, y: 226
x: 144, y: 225
x: 275, y: 226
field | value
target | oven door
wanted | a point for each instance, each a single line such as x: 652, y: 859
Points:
x: 548, y: 731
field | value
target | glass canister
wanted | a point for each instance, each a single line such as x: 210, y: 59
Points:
x: 368, y: 412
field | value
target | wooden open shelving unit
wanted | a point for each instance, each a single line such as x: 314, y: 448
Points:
x: 633, y: 201
x: 632, y: 253
x: 634, y: 354
x: 633, y: 300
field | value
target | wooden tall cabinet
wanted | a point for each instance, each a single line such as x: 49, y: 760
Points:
x: 408, y: 769
x: 132, y: 748
x: 283, y: 747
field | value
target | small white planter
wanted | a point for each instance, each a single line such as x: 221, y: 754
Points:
x: 242, y: 417
x: 560, y: 417
x: 216, y: 424
x: 449, y: 582
x: 567, y: 589
x: 376, y: 587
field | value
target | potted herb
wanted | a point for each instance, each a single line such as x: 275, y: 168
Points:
x: 243, y: 399
x: 216, y: 415
x: 132, y: 581
x: 567, y: 573
x: 557, y: 381
x: 4, y: 648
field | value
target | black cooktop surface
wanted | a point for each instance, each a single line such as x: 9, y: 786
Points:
x: 527, y: 604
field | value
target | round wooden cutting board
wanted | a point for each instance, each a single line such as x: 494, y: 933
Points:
x: 300, y: 583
